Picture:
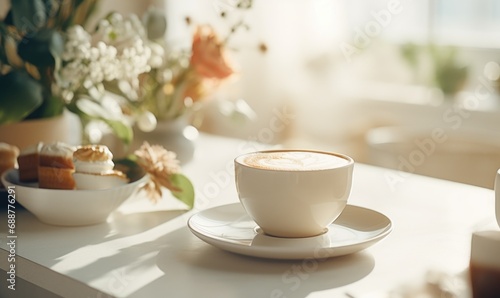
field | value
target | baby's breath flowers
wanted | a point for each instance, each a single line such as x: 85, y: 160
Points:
x: 109, y: 60
x: 117, y: 50
x: 87, y: 64
x: 164, y: 170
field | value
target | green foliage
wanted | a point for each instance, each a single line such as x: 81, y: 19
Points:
x: 31, y: 45
x: 449, y: 74
x: 50, y: 106
x: 21, y: 95
x: 121, y: 129
x: 28, y: 16
x: 186, y: 192
x: 41, y: 48
x: 130, y: 167
x: 88, y: 110
x: 410, y: 53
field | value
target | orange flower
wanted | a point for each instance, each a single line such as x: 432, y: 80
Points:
x: 207, y: 56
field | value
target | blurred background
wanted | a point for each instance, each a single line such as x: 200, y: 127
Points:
x: 409, y: 85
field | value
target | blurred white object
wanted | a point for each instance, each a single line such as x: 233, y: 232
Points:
x: 497, y: 197
x: 237, y: 110
x: 147, y: 121
x: 466, y: 157
x: 485, y: 264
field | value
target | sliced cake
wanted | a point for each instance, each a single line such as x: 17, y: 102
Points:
x: 56, y: 166
x: 28, y: 161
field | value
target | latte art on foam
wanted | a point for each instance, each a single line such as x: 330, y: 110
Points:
x: 294, y: 161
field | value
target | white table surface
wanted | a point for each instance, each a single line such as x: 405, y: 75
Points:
x: 148, y: 251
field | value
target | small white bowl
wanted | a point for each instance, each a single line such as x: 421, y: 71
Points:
x: 69, y: 207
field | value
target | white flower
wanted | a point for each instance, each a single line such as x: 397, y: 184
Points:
x: 157, y: 53
x: 135, y: 60
x: 78, y: 41
x: 117, y: 51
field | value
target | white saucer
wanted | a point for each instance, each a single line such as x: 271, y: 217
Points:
x: 230, y: 228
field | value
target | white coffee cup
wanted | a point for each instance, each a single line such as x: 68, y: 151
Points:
x: 484, y: 268
x: 497, y: 197
x: 293, y: 193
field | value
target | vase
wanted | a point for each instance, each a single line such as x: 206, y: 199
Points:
x: 64, y: 128
x: 176, y: 135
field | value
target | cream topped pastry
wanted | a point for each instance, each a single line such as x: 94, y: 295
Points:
x: 94, y: 168
x: 56, y: 166
x: 94, y: 159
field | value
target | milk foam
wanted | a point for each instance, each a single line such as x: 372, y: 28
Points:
x: 294, y: 160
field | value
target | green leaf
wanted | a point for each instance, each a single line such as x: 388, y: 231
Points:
x: 3, y: 35
x: 8, y: 20
x: 20, y: 96
x: 51, y: 107
x: 28, y: 15
x: 186, y: 192
x: 120, y: 129
x: 51, y: 8
x: 42, y: 48
x: 84, y: 9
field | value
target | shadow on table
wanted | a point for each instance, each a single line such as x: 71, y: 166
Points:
x: 90, y: 238
x: 189, y: 267
x: 217, y: 273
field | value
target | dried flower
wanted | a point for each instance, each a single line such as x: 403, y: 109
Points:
x: 160, y: 164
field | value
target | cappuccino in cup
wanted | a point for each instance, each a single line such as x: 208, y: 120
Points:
x: 293, y: 193
x: 293, y: 161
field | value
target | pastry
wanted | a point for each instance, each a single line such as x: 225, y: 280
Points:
x: 56, y: 166
x: 94, y: 168
x: 8, y: 156
x: 28, y: 161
